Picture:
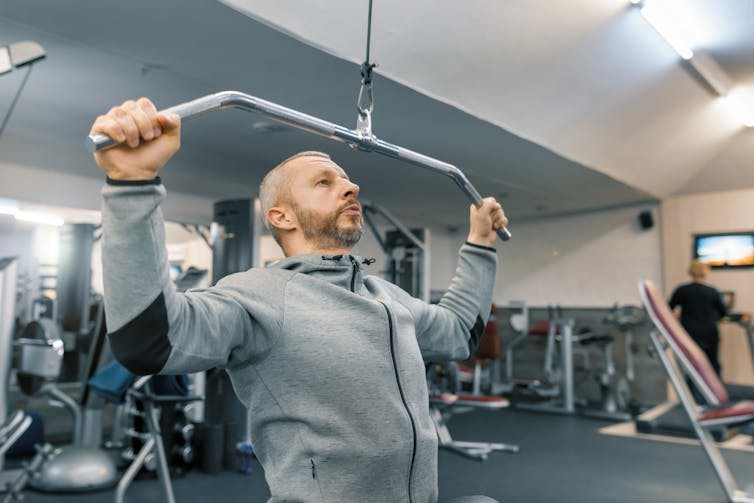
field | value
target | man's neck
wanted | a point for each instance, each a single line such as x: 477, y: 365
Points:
x: 306, y: 248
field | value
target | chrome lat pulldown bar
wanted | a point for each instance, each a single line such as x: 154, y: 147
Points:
x: 360, y: 138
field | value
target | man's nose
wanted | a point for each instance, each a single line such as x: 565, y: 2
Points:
x: 351, y: 190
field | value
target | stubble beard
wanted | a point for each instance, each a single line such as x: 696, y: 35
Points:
x: 325, y: 231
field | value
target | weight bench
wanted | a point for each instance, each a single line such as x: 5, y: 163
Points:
x: 441, y: 408
x: 685, y: 357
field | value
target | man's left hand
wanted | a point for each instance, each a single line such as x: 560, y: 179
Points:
x: 485, y: 221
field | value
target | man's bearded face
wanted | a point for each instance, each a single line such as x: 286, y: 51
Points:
x: 332, y: 230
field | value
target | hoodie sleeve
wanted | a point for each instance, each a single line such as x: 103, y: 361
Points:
x: 451, y: 329
x: 152, y: 328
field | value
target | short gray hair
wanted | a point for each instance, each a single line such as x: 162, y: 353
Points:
x: 273, y: 187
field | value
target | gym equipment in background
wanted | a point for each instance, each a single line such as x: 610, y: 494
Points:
x: 152, y: 449
x: 8, y: 280
x: 613, y: 387
x: 559, y: 388
x: 73, y: 468
x: 235, y: 235
x: 445, y: 398
x: 12, y: 429
x: 616, y: 400
x: 49, y: 350
x: 481, y: 369
x: 14, y: 481
x: 556, y: 386
x: 361, y: 138
x: 669, y: 418
x: 738, y: 391
x: 554, y: 389
x: 441, y: 407
x: 407, y: 251
x: 548, y: 384
x: 626, y: 319
x: 681, y: 357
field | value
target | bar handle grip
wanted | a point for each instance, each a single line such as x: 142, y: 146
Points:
x: 463, y: 182
x: 188, y: 110
x: 96, y: 142
x: 503, y: 233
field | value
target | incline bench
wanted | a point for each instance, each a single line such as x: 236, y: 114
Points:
x: 685, y: 357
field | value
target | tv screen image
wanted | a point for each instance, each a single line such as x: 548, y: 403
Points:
x: 725, y: 250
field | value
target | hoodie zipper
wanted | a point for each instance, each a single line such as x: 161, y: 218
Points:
x: 355, y: 270
x: 403, y: 399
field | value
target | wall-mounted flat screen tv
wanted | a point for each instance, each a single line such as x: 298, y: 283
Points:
x: 725, y: 251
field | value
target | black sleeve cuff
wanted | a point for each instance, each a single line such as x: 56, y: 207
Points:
x: 154, y: 181
x: 482, y: 247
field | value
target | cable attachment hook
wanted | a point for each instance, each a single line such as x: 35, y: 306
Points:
x: 365, y: 101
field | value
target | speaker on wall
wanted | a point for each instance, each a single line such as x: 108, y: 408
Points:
x: 646, y: 220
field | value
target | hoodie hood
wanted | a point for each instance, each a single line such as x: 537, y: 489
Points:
x: 341, y: 270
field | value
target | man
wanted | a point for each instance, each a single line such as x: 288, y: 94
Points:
x: 330, y: 362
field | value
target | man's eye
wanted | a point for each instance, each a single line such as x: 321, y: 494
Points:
x: 323, y: 182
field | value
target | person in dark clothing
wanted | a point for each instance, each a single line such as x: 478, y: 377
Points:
x: 701, y: 309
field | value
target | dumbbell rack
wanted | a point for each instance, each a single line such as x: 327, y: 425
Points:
x: 152, y: 452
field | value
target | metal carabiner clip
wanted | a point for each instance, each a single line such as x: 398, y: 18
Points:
x: 365, y: 104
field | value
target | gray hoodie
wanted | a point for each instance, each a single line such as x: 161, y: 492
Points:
x: 331, y: 363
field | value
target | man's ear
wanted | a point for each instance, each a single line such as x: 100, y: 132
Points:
x: 282, y: 218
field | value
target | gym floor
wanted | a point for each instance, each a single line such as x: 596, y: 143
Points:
x: 562, y: 458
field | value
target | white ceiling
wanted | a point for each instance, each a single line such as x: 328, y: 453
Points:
x: 555, y: 106
x: 589, y: 79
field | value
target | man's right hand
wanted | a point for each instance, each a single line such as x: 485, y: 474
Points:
x: 146, y: 140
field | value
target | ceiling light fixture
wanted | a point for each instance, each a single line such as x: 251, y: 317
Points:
x: 39, y: 218
x: 665, y: 24
x: 6, y: 209
x: 699, y: 62
x: 737, y: 104
x: 9, y: 207
x: 19, y: 54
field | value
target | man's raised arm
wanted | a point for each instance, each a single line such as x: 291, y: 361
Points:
x: 151, y: 327
x: 451, y: 330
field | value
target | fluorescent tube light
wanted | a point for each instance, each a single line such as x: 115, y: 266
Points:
x: 740, y: 107
x: 10, y: 207
x: 663, y: 17
x: 663, y: 23
x: 8, y: 210
x: 39, y: 218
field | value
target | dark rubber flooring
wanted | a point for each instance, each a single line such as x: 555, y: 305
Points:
x: 562, y: 459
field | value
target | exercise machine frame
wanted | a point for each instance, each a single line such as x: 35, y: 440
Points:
x: 369, y: 210
x: 564, y: 402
